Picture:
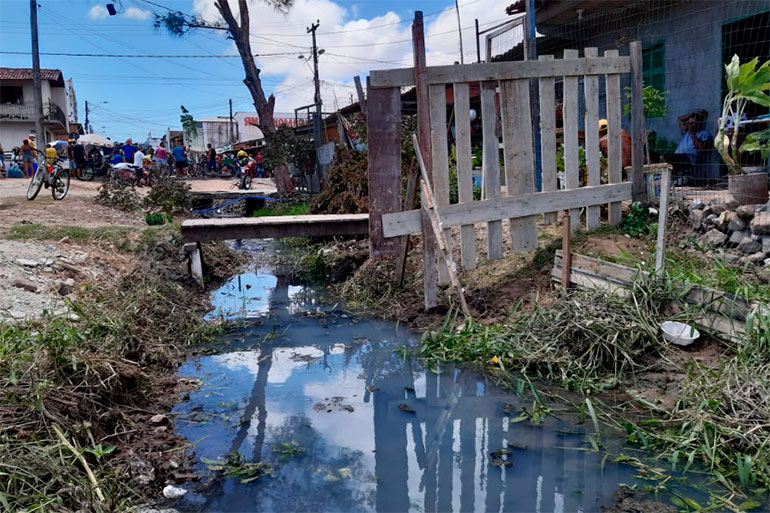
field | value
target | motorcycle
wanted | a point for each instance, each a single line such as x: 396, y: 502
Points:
x: 246, y: 175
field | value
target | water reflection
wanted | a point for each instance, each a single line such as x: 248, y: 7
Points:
x: 378, y: 431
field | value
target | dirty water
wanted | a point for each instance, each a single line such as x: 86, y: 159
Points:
x: 350, y: 422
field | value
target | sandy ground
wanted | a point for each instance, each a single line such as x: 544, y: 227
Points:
x: 36, y: 276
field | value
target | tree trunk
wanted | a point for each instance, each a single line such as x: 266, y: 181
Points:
x: 240, y: 35
x: 283, y: 180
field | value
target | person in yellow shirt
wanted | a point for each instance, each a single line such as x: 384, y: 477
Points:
x: 50, y: 154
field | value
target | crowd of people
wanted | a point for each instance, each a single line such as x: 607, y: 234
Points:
x: 141, y: 158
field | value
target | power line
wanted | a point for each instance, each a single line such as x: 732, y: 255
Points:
x: 149, y: 56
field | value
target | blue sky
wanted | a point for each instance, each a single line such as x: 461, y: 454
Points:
x: 144, y: 94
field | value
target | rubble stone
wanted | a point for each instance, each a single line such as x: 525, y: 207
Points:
x: 761, y: 224
x: 696, y: 218
x: 745, y: 211
x: 749, y: 246
x: 738, y: 236
x: 713, y: 237
x: 756, y: 258
x: 734, y: 222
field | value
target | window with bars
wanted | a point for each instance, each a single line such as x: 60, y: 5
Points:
x: 654, y: 67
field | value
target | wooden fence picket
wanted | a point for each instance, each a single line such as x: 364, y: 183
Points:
x: 614, y: 148
x: 464, y: 170
x: 440, y: 161
x: 571, y: 121
x: 593, y: 159
x: 550, y: 179
x: 517, y: 155
x: 491, y: 166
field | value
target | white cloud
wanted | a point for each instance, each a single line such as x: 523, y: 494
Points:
x: 352, y: 45
x: 98, y: 12
x: 137, y: 13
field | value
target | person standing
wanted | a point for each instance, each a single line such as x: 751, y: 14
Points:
x: 211, y: 165
x: 260, y: 168
x: 129, y: 149
x: 79, y: 157
x: 2, y: 159
x: 180, y: 158
x: 27, y: 158
x: 138, y: 157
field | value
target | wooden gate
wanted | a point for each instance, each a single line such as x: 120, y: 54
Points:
x: 504, y: 90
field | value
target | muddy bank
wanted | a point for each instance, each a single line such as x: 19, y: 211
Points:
x: 85, y: 396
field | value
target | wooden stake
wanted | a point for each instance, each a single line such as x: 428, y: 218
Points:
x: 429, y: 206
x: 411, y: 194
x: 566, y: 259
x: 665, y: 179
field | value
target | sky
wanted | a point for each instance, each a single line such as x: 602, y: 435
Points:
x: 145, y: 94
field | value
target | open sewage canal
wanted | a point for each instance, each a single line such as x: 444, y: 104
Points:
x: 349, y: 421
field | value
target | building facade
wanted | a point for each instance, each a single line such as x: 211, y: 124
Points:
x: 686, y: 44
x: 17, y: 111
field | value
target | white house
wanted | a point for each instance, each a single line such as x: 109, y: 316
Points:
x: 17, y: 112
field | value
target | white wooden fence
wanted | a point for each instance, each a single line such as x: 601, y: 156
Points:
x: 505, y: 89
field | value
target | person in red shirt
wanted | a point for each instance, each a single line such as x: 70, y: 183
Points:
x: 260, y: 169
x: 625, y: 142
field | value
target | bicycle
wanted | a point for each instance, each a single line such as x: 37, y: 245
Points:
x: 56, y: 177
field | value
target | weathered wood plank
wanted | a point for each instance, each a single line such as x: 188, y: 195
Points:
x: 409, y: 202
x: 548, y: 137
x: 194, y: 230
x: 360, y: 92
x: 487, y: 211
x: 384, y: 125
x: 571, y: 123
x: 517, y: 156
x: 491, y: 167
x: 660, y: 243
x: 638, y: 131
x: 487, y: 71
x: 614, y: 148
x: 464, y: 171
x: 440, y: 160
x: 420, y: 80
x: 593, y: 160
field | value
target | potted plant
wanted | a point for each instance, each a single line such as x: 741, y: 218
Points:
x: 745, y: 83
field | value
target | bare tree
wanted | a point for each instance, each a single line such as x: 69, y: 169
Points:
x: 237, y: 27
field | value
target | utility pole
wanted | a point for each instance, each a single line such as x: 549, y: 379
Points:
x: 230, y: 125
x: 37, y: 96
x: 317, y: 99
x: 88, y: 130
x: 460, y: 31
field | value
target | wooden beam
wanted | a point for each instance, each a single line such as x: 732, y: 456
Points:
x: 429, y: 206
x: 409, y: 200
x: 566, y: 262
x: 486, y: 211
x: 483, y: 71
x: 360, y: 92
x: 194, y: 230
x: 638, y: 131
x: 384, y: 127
x: 420, y: 80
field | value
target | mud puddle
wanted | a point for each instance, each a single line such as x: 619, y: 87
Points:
x: 349, y: 421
